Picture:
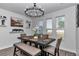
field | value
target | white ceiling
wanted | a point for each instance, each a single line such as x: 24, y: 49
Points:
x: 48, y: 7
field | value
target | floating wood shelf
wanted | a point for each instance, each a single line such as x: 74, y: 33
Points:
x: 16, y: 32
x: 17, y: 25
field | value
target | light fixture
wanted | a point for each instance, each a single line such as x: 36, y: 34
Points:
x: 34, y: 11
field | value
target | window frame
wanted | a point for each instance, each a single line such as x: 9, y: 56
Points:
x: 51, y: 25
x: 59, y: 30
x: 56, y: 22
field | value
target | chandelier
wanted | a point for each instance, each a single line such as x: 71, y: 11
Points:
x: 34, y: 11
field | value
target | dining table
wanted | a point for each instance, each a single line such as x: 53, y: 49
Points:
x: 42, y: 43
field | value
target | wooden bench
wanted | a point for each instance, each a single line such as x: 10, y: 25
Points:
x: 26, y: 49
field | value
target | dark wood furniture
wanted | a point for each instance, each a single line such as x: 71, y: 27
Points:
x: 22, y: 35
x: 27, y: 37
x: 42, y: 43
x: 43, y: 36
x: 26, y: 49
x: 15, y: 22
x: 53, y: 50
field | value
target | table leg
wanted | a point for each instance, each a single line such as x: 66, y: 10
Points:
x: 42, y: 52
x: 36, y: 45
x: 30, y: 43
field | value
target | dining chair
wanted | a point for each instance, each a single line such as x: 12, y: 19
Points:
x: 53, y: 50
x: 43, y: 36
x: 22, y: 35
x: 25, y: 49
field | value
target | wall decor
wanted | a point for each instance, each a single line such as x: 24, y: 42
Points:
x: 17, y: 31
x: 77, y: 16
x: 2, y: 20
x: 28, y: 24
x: 16, y: 22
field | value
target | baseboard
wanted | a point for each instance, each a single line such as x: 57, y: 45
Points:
x: 68, y: 50
x: 11, y: 45
x: 6, y: 47
x: 77, y: 52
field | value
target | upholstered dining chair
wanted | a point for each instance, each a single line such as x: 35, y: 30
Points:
x: 43, y: 36
x: 53, y: 50
x: 22, y: 35
x: 28, y: 37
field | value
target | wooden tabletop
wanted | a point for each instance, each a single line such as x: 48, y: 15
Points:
x: 38, y: 41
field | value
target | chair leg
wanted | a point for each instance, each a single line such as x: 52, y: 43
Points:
x: 30, y: 43
x: 48, y: 54
x: 58, y: 53
x: 55, y: 52
x: 21, y: 52
x: 45, y: 53
x: 36, y: 45
x: 14, y: 51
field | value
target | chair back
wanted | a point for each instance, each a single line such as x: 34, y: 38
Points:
x: 44, y: 36
x: 22, y: 35
x: 58, y: 43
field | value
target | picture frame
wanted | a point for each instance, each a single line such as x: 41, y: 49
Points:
x: 28, y: 24
x: 3, y: 21
x: 16, y: 22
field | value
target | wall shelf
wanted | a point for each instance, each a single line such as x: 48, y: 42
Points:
x: 16, y: 32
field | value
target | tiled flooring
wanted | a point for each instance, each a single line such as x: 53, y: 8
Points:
x: 9, y: 52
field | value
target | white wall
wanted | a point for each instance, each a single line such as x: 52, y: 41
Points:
x: 69, y: 42
x: 7, y: 39
x: 77, y: 41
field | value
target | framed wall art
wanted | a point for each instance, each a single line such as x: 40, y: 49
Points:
x: 3, y: 20
x: 28, y: 24
x: 16, y: 22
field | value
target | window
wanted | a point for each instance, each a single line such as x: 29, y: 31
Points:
x: 60, y: 26
x: 60, y: 22
x: 49, y: 26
